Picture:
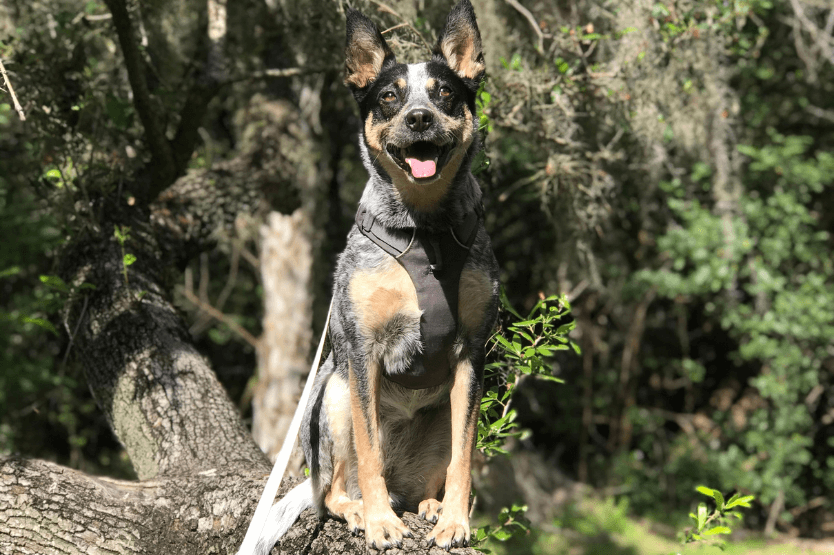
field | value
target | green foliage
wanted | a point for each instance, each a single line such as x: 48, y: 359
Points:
x: 512, y: 522
x: 770, y: 254
x: 482, y: 100
x: 532, y: 343
x: 708, y: 526
x: 122, y: 234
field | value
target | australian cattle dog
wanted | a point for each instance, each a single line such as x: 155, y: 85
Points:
x: 393, y: 417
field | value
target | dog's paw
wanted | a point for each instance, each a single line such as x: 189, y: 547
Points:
x: 354, y: 516
x: 385, y: 530
x: 450, y: 532
x: 430, y: 509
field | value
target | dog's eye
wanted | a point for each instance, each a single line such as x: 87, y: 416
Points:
x: 389, y: 97
x: 445, y: 91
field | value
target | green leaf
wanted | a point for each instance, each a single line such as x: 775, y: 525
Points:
x: 505, y: 303
x: 13, y: 271
x: 718, y: 530
x: 740, y: 502
x: 702, y: 516
x: 526, y: 336
x: 565, y: 328
x: 503, y: 341
x: 129, y: 259
x: 719, y: 500
x: 502, y: 535
x: 40, y: 322
x: 55, y: 282
x: 709, y: 492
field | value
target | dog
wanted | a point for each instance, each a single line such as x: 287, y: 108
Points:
x: 393, y: 417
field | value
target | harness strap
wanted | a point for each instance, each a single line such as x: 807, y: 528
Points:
x: 392, y: 240
x: 395, y: 241
x: 434, y: 262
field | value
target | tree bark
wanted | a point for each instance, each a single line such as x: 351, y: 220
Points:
x: 286, y: 263
x: 48, y: 509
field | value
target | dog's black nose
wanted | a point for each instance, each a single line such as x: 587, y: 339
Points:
x: 418, y: 119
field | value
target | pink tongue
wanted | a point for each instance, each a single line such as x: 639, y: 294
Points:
x: 420, y: 168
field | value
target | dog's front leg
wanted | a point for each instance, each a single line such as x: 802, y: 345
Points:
x: 452, y: 528
x: 383, y: 528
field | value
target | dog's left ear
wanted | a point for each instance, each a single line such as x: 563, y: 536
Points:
x: 459, y: 45
x: 366, y: 52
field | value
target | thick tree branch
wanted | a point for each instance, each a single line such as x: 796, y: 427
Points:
x: 211, y: 78
x: 47, y: 508
x: 204, y: 205
x: 159, y: 395
x: 163, y: 166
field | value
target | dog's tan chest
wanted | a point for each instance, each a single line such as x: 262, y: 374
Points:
x: 381, y: 294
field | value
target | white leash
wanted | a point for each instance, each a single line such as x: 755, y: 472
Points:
x: 253, y: 533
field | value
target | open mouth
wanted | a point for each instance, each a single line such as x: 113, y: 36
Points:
x: 422, y: 159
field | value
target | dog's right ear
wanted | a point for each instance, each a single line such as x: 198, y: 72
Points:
x: 366, y: 52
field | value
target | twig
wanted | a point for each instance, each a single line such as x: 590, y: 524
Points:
x: 389, y: 29
x: 820, y: 40
x: 533, y: 23
x: 280, y: 73
x: 73, y: 334
x: 219, y: 316
x: 386, y: 8
x: 519, y: 184
x: 773, y: 514
x: 11, y: 92
x: 820, y: 112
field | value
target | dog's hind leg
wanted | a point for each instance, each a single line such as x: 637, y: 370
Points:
x: 383, y: 528
x: 338, y: 502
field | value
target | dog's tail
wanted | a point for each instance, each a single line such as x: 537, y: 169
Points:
x: 284, y: 514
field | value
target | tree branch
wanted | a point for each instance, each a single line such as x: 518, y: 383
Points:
x: 211, y: 78
x: 533, y: 23
x: 17, y: 106
x: 163, y: 166
x: 44, y: 506
x: 47, y: 508
x: 154, y: 387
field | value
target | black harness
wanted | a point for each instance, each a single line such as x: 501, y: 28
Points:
x: 434, y: 262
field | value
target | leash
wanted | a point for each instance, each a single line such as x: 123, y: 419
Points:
x: 253, y: 533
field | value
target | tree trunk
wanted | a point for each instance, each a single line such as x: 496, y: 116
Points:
x: 286, y: 262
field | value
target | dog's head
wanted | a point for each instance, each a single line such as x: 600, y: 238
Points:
x: 419, y: 122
